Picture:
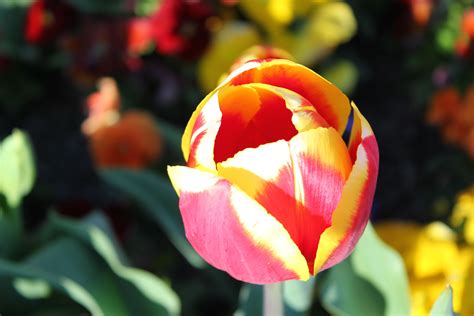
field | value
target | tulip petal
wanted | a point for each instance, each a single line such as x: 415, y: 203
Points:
x: 249, y: 116
x: 356, y: 135
x: 305, y: 116
x: 328, y: 100
x: 190, y: 127
x: 233, y: 232
x: 204, y: 132
x: 299, y: 182
x: 352, y: 213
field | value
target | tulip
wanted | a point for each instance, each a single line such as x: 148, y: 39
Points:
x: 271, y: 190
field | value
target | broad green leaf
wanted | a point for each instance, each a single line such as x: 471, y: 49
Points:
x: 444, y: 304
x: 17, y: 171
x: 372, y: 281
x: 157, y: 200
x: 343, y: 292
x: 152, y: 288
x: 32, y: 288
x: 69, y: 287
x: 383, y: 267
x: 71, y: 259
x: 83, y: 261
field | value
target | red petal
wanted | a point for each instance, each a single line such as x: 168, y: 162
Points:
x: 233, y: 232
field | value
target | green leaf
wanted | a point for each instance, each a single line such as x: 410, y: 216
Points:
x: 17, y: 171
x: 67, y: 286
x: 372, y: 281
x: 84, y: 262
x: 32, y: 288
x: 157, y: 200
x: 444, y: 304
x: 383, y: 267
x: 345, y: 293
x: 152, y: 288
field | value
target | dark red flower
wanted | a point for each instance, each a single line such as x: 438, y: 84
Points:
x: 46, y: 19
x: 35, y: 21
x: 179, y: 28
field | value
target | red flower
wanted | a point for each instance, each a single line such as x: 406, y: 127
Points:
x: 35, y: 21
x: 46, y: 19
x: 180, y: 28
x: 140, y: 35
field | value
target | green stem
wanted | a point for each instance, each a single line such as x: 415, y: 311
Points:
x: 273, y: 299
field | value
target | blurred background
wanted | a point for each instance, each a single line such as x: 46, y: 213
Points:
x: 95, y: 94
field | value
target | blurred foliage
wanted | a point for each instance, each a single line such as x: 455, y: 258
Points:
x: 390, y: 57
x: 372, y: 281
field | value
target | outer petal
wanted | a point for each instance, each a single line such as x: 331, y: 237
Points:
x: 353, y: 210
x: 203, y: 135
x: 328, y: 100
x: 233, y: 232
x: 299, y: 182
x: 355, y: 136
x: 186, y: 139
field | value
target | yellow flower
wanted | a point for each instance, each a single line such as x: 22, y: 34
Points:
x: 433, y: 260
x: 227, y: 45
x: 463, y: 213
x: 308, y: 30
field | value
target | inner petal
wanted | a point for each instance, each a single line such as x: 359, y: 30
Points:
x: 250, y: 117
x: 298, y: 182
x: 329, y: 101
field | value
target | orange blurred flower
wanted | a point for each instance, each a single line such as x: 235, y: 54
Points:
x: 133, y: 142
x: 445, y: 103
x: 102, y: 106
x: 467, y: 24
x: 454, y: 114
x: 130, y: 140
x: 421, y: 11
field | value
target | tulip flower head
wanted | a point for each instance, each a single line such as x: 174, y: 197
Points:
x: 271, y: 190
